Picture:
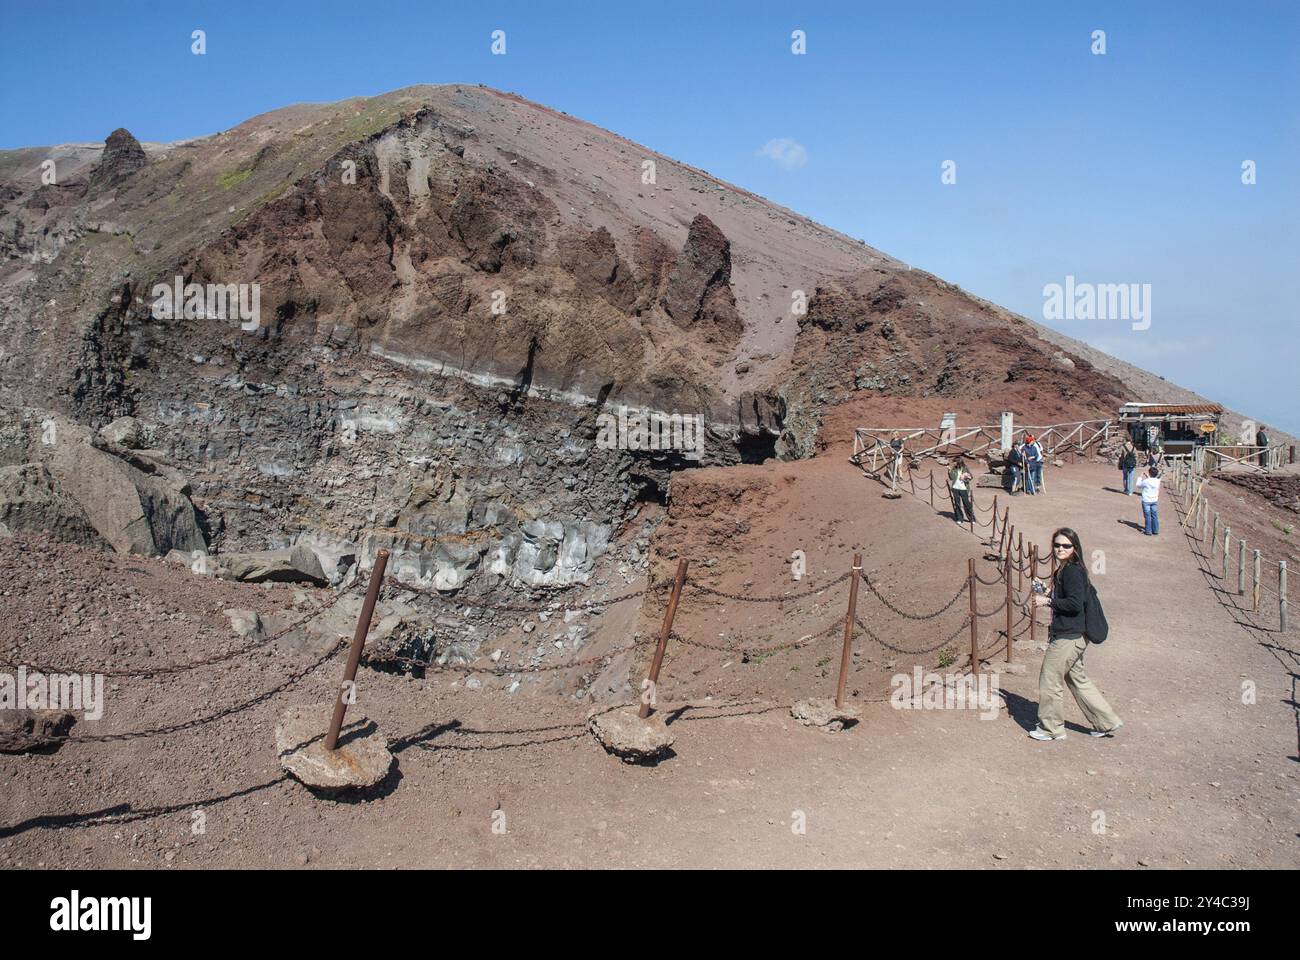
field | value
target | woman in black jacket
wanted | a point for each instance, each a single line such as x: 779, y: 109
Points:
x: 1128, y: 461
x: 1066, y: 644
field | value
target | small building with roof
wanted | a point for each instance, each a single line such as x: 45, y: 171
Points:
x: 1180, y: 427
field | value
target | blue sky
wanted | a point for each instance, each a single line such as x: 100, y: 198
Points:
x: 1118, y: 168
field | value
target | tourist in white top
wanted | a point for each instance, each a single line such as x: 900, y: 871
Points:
x: 1149, y: 487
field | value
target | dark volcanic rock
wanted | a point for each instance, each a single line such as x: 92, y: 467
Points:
x: 122, y: 157
x: 598, y: 270
x: 699, y: 289
x: 23, y: 730
x: 761, y: 413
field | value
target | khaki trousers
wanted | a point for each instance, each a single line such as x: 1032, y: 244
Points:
x: 1063, y: 665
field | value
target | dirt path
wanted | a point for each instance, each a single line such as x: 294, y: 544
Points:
x: 1195, y: 778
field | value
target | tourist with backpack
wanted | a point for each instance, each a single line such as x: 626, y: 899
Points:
x: 1128, y: 461
x: 959, y: 481
x: 1015, y: 462
x: 1033, y: 465
x: 1077, y: 620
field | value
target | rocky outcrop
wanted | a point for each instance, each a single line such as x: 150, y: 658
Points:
x: 30, y: 501
x: 122, y: 157
x: 598, y: 270
x: 699, y: 288
x: 68, y: 478
x: 884, y: 335
x: 1281, y: 488
x: 761, y: 414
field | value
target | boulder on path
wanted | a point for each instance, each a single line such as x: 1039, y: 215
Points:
x: 24, y: 731
x: 822, y: 712
x: 623, y: 733
x: 362, y: 758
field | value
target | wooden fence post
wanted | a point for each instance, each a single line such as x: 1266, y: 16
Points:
x: 1227, y: 540
x: 1241, y: 568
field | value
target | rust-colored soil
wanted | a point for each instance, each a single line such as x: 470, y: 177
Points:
x: 1196, y: 777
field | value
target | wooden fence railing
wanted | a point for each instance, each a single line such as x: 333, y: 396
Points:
x: 1211, y: 457
x: 872, y: 443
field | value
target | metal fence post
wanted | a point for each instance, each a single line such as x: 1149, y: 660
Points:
x: 354, y: 655
x: 651, y: 693
x: 1241, y: 568
x: 1254, y: 589
x: 1007, y: 567
x: 974, y: 619
x: 1033, y: 610
x: 848, y: 630
x: 1281, y: 593
x: 1020, y: 562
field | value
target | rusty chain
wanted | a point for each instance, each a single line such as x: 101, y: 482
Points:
x: 194, y: 664
x: 507, y: 671
x: 965, y: 623
x: 586, y: 605
x: 292, y: 679
x: 748, y: 652
x: 913, y: 616
x: 772, y: 598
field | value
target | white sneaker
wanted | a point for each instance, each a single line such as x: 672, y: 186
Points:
x: 1038, y: 733
x: 1106, y: 733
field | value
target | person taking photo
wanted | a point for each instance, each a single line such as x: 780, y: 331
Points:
x: 1066, y: 644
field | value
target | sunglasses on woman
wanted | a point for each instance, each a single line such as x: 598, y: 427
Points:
x: 1063, y: 546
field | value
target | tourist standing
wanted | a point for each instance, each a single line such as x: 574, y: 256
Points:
x: 1261, y: 441
x: 1149, y: 487
x: 1015, y: 461
x: 1128, y: 462
x: 1067, y: 642
x: 959, y: 481
x: 1034, y: 457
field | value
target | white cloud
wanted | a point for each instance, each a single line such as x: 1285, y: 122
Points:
x: 785, y: 152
